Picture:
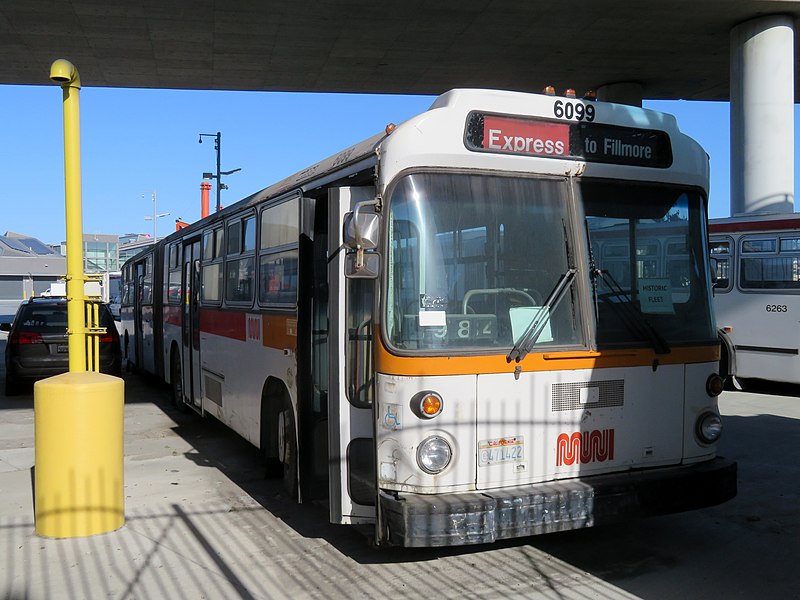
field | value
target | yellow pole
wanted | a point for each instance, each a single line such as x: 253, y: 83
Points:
x: 78, y: 416
x: 96, y: 338
x: 64, y: 73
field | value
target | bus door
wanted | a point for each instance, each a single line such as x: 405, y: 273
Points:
x: 138, y: 326
x: 191, y: 323
x: 351, y: 441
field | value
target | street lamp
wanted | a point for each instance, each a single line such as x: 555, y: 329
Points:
x: 155, y: 217
x: 217, y: 146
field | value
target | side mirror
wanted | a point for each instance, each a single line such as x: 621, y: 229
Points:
x: 368, y: 268
x: 362, y: 233
x: 362, y: 230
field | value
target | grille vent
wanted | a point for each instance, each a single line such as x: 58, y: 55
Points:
x: 567, y: 396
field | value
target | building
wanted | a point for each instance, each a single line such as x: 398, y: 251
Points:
x: 131, y: 244
x: 27, y: 268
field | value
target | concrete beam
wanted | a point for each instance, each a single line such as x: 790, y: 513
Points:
x: 762, y: 116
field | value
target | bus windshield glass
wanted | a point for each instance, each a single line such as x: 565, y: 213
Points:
x: 651, y: 279
x: 472, y: 260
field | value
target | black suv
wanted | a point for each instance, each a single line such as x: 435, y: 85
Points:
x: 37, y: 343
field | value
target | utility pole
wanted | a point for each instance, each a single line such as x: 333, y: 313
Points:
x: 218, y: 176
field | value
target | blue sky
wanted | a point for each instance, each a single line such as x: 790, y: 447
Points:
x: 135, y: 142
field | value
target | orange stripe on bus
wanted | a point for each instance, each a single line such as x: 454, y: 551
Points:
x: 279, y: 331
x: 391, y: 364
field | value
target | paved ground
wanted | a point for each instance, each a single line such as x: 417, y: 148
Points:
x: 203, y: 523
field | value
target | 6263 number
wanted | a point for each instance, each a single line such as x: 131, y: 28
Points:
x: 777, y: 308
x: 573, y: 110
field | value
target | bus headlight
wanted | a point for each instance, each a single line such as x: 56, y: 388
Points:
x: 709, y: 427
x: 434, y: 454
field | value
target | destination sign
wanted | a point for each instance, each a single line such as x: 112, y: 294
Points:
x: 590, y: 141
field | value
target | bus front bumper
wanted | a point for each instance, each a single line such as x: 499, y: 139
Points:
x: 417, y: 520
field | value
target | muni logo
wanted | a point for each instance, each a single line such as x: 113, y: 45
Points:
x: 584, y: 447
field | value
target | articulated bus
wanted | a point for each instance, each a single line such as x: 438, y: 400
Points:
x: 453, y: 330
x: 757, y: 296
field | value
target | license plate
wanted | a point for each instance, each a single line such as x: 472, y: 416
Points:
x: 501, y: 450
x: 62, y: 348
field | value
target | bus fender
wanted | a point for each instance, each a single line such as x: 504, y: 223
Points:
x: 727, y: 359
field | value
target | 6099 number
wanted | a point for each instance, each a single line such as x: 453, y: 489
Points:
x: 573, y: 110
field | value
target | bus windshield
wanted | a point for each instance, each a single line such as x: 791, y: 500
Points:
x: 472, y: 261
x: 651, y: 276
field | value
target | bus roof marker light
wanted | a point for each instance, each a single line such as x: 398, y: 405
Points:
x: 569, y: 93
x: 590, y: 95
x: 549, y: 90
x: 390, y: 128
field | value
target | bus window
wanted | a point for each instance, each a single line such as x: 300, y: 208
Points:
x: 278, y: 282
x: 249, y: 234
x: 211, y: 289
x: 463, y: 269
x: 790, y: 244
x: 360, y: 297
x: 234, y: 237
x: 762, y: 266
x: 239, y: 268
x: 174, y: 276
x: 239, y: 280
x: 147, y: 282
x: 278, y: 254
x: 720, y: 251
x: 672, y: 298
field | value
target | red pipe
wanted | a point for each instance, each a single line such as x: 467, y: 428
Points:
x: 205, y: 187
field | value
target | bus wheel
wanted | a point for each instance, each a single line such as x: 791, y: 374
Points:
x: 287, y: 450
x: 176, y: 380
x: 128, y: 366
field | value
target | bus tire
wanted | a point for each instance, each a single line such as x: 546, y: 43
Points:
x: 126, y: 346
x: 176, y: 382
x: 287, y: 451
x: 271, y: 402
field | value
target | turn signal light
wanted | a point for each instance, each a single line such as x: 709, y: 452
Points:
x: 431, y: 405
x: 715, y: 385
x: 427, y: 405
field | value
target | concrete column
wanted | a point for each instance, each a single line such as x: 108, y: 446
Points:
x: 627, y: 92
x: 762, y: 116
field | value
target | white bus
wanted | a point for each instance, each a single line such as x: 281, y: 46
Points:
x: 757, y: 296
x: 452, y: 330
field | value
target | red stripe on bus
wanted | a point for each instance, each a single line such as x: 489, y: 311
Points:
x: 734, y: 227
x: 226, y: 323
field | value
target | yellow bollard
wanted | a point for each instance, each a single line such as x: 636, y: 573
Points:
x: 79, y: 449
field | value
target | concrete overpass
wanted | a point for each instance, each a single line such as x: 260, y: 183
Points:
x: 742, y: 50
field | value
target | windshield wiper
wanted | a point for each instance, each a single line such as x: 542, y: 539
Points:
x: 630, y: 315
x: 536, y: 326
